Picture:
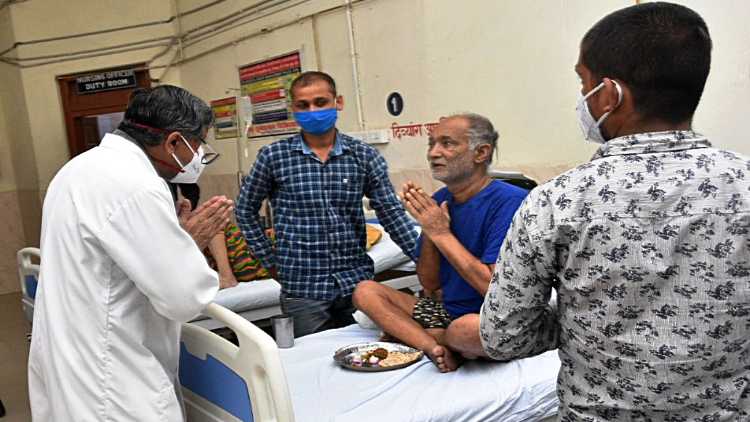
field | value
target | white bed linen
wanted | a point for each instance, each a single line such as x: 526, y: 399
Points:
x: 250, y: 295
x: 409, y: 266
x: 523, y: 390
x: 386, y: 254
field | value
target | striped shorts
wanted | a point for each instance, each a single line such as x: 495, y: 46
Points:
x: 430, y: 313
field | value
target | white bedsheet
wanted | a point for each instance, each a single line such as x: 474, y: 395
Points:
x: 386, y: 254
x: 250, y: 295
x: 523, y: 390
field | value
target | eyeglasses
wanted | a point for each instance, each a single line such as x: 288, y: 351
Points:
x: 209, y: 155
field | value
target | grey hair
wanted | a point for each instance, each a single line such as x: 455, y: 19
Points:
x: 480, y: 132
x: 165, y: 108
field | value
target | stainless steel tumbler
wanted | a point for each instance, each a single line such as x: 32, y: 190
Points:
x: 283, y: 330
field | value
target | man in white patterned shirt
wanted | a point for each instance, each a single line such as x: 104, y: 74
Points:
x: 646, y: 244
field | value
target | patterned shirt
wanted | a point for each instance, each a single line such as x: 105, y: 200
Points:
x: 648, y: 250
x: 318, y: 216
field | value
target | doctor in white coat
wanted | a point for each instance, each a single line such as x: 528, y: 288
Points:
x: 120, y: 271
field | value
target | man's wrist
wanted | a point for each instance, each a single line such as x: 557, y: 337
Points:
x: 439, y: 236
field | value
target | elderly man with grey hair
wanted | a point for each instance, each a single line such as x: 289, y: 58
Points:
x: 463, y: 226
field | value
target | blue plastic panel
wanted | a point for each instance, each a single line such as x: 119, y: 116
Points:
x: 31, y: 284
x: 215, y: 382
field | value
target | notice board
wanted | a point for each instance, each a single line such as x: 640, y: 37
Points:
x: 267, y: 83
x: 225, y: 116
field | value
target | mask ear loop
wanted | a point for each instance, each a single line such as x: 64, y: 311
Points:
x: 182, y: 166
x: 170, y: 165
x: 619, y: 101
x: 188, y: 145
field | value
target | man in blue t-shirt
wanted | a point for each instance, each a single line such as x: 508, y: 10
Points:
x: 463, y: 227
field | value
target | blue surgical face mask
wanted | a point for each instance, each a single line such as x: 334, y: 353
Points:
x: 317, y: 122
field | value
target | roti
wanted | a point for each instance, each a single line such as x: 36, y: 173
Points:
x: 373, y: 236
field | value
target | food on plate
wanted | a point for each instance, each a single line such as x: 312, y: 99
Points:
x: 370, y: 357
x: 376, y: 356
x: 380, y: 352
x: 399, y: 358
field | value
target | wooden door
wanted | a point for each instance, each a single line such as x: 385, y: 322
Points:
x: 82, y: 109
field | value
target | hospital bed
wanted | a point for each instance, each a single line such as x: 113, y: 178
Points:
x: 224, y: 382
x: 258, y: 300
x: 28, y: 274
x: 320, y: 391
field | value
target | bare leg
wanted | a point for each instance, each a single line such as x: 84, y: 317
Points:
x: 218, y: 248
x: 437, y: 333
x: 392, y: 311
x: 463, y: 337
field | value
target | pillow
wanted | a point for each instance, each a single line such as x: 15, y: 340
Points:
x: 364, y: 321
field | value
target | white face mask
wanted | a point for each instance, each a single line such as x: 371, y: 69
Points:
x: 192, y: 170
x: 592, y: 128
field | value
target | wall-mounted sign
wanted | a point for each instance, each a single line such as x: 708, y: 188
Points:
x: 225, y: 116
x: 106, y: 81
x: 267, y: 84
x: 412, y: 130
x: 395, y: 104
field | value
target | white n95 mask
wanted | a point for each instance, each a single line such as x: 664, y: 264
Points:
x: 592, y: 128
x: 191, y: 171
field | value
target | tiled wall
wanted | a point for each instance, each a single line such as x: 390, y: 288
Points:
x: 219, y: 184
x: 13, y: 239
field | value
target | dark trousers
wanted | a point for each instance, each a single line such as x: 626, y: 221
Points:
x: 312, y: 316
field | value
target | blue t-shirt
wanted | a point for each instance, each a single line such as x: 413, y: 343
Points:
x: 480, y: 225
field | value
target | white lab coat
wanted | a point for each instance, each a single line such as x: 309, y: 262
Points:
x: 118, y: 276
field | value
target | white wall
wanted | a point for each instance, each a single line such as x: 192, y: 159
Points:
x: 725, y: 106
x: 17, y: 167
x: 512, y: 61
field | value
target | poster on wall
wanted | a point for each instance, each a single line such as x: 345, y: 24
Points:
x: 225, y: 115
x: 267, y: 84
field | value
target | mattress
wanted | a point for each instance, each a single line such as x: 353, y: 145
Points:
x: 521, y: 390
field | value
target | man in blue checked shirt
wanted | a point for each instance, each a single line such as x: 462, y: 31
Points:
x: 315, y: 182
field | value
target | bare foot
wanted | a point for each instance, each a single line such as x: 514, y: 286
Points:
x: 227, y: 280
x: 443, y: 358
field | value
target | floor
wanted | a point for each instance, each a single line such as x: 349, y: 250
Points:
x: 14, y: 353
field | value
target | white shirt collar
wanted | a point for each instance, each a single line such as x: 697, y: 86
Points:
x: 123, y: 144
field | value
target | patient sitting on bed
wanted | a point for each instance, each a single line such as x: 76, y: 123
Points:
x: 463, y: 226
x: 227, y: 253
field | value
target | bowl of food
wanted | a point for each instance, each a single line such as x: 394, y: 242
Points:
x: 376, y: 356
